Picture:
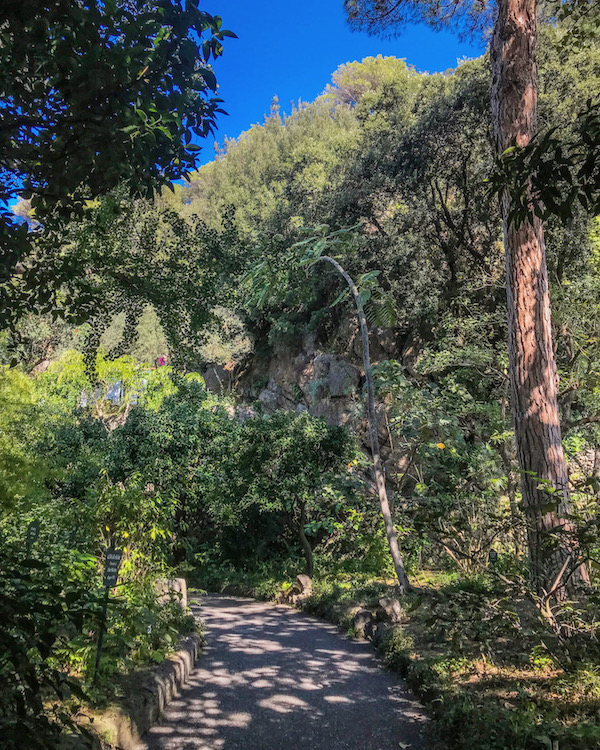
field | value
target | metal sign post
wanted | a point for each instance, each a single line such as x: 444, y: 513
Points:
x: 111, y: 573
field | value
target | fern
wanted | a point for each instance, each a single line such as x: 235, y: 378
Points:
x: 381, y: 310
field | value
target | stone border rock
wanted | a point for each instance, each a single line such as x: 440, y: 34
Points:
x: 122, y: 726
x: 370, y: 619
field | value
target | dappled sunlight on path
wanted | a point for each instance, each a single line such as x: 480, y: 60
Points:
x: 272, y: 678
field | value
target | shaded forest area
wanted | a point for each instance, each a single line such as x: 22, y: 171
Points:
x: 183, y: 381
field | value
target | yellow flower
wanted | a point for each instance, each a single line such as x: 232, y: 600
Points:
x: 441, y: 446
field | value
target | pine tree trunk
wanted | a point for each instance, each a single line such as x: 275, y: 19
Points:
x: 390, y: 530
x: 531, y: 354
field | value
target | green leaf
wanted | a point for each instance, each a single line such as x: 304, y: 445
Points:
x: 341, y: 296
x: 364, y: 296
x: 209, y: 78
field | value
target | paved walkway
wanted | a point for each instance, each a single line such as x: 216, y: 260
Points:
x: 273, y: 678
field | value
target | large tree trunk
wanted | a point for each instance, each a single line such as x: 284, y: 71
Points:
x: 531, y: 355
x: 512, y: 482
x: 390, y: 530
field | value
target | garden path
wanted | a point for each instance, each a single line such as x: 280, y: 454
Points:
x: 273, y: 678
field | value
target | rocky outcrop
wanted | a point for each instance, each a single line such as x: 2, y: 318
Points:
x: 325, y: 379
x: 273, y: 397
x: 327, y: 385
x: 334, y: 377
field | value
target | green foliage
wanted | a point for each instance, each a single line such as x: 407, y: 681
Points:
x: 226, y: 342
x: 559, y: 168
x: 58, y: 453
x: 65, y: 67
x: 43, y: 605
x: 290, y: 459
x: 454, y: 474
x: 36, y: 340
x: 234, y: 497
x: 21, y: 471
x: 275, y: 174
x: 119, y: 257
x: 149, y: 342
x: 553, y: 175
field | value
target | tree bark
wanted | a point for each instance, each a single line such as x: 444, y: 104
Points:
x: 511, y: 481
x: 390, y: 530
x: 298, y: 527
x: 307, y: 549
x: 532, y: 367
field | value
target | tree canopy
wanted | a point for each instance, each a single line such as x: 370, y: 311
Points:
x: 97, y: 94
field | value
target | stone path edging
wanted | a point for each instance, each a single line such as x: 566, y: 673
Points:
x: 121, y: 727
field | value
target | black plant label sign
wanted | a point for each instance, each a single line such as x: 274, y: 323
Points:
x: 111, y: 571
x: 33, y: 531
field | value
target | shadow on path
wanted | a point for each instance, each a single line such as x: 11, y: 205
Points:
x: 272, y: 678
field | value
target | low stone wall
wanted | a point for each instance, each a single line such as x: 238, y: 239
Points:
x: 122, y: 725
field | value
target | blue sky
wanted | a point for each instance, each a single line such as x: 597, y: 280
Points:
x: 290, y: 50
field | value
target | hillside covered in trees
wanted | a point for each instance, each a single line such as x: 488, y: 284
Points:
x: 184, y: 378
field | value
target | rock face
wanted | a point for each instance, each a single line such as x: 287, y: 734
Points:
x: 216, y: 378
x: 325, y: 379
x: 334, y: 377
x: 327, y: 385
x: 273, y: 397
